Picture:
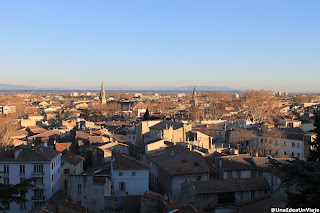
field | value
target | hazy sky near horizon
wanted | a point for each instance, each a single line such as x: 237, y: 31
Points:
x: 242, y: 44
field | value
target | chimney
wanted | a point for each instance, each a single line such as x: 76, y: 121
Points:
x: 17, y: 152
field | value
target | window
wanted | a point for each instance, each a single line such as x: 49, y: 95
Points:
x: 22, y: 179
x: 122, y: 186
x: 284, y: 143
x: 22, y: 170
x: 37, y: 204
x: 38, y: 193
x: 52, y: 165
x: 120, y: 173
x: 238, y: 174
x: 6, y: 207
x: 198, y: 178
x: 298, y: 155
x: 79, y: 188
x: 252, y: 194
x: 261, y: 140
x: 38, y: 181
x: 293, y: 144
x: 298, y: 145
x: 23, y: 205
x: 65, y: 184
x: 66, y: 171
x: 6, y: 180
x: 285, y: 153
x: 206, y: 197
x: 38, y: 169
x: 129, y: 137
x: 292, y: 154
x: 229, y: 175
x: 133, y: 137
x: 52, y: 177
x: 133, y: 173
x: 6, y: 169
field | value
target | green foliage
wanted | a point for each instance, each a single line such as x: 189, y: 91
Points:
x: 301, y: 181
x: 315, y: 144
x: 14, y: 193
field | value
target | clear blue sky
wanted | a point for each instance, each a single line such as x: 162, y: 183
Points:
x: 270, y: 44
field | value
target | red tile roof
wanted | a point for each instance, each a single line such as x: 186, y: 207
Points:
x: 62, y: 146
x: 73, y: 158
x: 47, y: 134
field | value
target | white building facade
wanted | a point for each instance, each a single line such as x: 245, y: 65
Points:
x: 43, y: 164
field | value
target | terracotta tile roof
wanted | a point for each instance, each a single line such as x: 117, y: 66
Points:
x: 36, y: 130
x: 95, y: 139
x: 173, y: 205
x: 180, y: 160
x: 51, y: 133
x: 62, y: 146
x: 124, y: 162
x: 237, y: 162
x: 82, y: 135
x: 34, y: 115
x: 262, y: 204
x: 74, y: 207
x: 230, y: 185
x: 73, y: 158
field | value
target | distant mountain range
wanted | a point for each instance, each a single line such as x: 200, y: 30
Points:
x: 21, y: 87
x: 185, y: 88
x: 198, y: 88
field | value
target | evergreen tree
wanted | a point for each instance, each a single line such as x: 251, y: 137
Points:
x: 315, y: 144
x: 301, y: 182
x: 146, y: 115
x: 14, y: 193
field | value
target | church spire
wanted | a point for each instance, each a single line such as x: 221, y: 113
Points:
x: 102, y: 94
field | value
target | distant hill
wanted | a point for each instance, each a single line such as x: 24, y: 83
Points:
x: 198, y: 88
x: 21, y: 87
x: 11, y: 87
x: 16, y: 87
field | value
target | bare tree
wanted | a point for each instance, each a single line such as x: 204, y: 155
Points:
x: 8, y: 126
x: 270, y: 141
x: 258, y: 105
x: 241, y: 138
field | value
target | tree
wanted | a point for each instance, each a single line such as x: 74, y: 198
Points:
x: 269, y: 140
x: 146, y: 115
x: 301, y: 178
x: 241, y: 138
x: 301, y: 182
x: 8, y: 126
x: 315, y: 144
x: 258, y: 105
x: 14, y: 193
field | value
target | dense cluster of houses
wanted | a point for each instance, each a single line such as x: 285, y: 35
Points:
x: 167, y: 164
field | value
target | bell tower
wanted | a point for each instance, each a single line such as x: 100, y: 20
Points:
x: 103, y: 94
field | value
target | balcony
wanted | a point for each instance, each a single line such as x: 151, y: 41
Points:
x: 38, y: 197
x: 40, y: 186
x: 37, y: 174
